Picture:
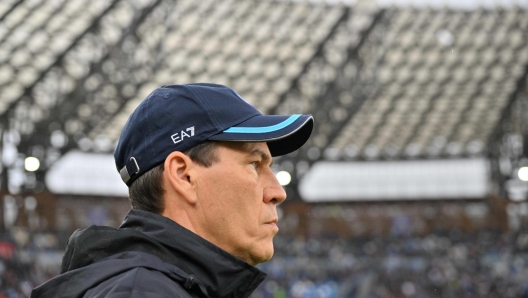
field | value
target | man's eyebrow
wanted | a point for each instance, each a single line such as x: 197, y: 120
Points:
x: 265, y: 156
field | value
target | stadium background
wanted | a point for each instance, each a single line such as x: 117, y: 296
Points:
x: 412, y: 185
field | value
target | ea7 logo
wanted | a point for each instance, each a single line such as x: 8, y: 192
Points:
x: 178, y: 137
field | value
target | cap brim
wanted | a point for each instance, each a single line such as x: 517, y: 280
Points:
x: 284, y: 134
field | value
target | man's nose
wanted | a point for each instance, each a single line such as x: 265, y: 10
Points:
x: 274, y: 193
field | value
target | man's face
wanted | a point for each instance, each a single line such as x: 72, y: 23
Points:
x: 237, y: 197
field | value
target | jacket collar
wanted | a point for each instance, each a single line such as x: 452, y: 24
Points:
x: 221, y: 273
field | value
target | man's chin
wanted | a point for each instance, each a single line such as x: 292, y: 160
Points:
x: 262, y: 256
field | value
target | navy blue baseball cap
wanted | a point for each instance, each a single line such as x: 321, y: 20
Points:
x: 179, y: 117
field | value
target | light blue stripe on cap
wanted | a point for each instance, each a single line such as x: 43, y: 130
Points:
x: 264, y: 129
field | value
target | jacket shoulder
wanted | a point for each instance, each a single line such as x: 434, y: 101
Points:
x: 138, y: 283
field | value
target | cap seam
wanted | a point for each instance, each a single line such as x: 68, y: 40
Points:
x: 149, y: 149
x: 206, y: 106
x: 210, y: 112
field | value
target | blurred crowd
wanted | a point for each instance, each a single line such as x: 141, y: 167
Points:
x: 454, y: 264
x: 28, y: 259
x: 447, y: 264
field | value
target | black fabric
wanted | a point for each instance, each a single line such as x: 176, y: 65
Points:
x: 89, y: 263
x: 127, y: 274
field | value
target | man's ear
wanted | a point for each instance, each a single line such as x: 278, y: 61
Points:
x: 178, y: 176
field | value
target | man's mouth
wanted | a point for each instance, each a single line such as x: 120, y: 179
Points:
x: 273, y: 222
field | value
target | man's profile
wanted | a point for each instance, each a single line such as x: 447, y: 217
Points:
x: 197, y: 160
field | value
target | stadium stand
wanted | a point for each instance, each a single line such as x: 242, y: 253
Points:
x: 424, y: 86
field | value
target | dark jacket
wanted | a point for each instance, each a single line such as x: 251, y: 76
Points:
x: 148, y: 256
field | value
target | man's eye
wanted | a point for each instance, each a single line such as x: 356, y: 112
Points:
x: 255, y: 164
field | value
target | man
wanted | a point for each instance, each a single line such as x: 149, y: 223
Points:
x: 197, y: 162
